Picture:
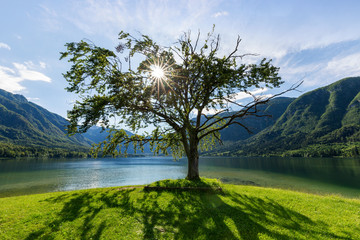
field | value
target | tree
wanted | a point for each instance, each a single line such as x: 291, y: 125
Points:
x: 171, y: 89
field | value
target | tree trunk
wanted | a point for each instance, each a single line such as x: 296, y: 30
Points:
x: 193, y: 161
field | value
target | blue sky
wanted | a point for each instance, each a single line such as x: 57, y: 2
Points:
x: 317, y: 41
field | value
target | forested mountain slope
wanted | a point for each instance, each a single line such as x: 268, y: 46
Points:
x: 26, y: 125
x: 325, y: 120
x: 270, y: 111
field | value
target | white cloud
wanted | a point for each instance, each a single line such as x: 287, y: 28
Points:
x: 10, y: 78
x: 349, y: 65
x: 306, y: 72
x: 266, y: 29
x: 220, y: 14
x: 27, y: 74
x: 33, y: 66
x: 50, y: 19
x: 163, y: 19
x: 4, y: 45
x: 321, y: 66
x: 274, y: 31
x: 210, y: 111
x: 42, y: 65
x: 32, y: 99
x: 29, y: 64
x: 257, y: 93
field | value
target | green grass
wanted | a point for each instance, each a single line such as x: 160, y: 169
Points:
x: 239, y: 212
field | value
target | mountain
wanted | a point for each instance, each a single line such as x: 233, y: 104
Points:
x: 96, y: 135
x: 322, y: 122
x: 27, y: 129
x: 271, y: 111
x: 24, y: 124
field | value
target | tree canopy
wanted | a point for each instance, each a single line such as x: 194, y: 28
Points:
x: 171, y: 89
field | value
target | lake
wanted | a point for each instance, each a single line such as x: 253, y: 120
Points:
x: 339, y: 176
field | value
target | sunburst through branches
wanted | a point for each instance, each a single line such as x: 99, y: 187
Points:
x: 160, y: 73
x: 157, y: 72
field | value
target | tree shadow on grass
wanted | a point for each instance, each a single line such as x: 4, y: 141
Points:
x: 82, y: 208
x: 208, y: 216
x: 177, y: 214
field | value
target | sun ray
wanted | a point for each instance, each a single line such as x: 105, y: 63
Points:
x: 159, y: 73
x: 161, y: 76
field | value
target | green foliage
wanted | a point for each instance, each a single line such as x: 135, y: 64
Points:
x: 325, y: 150
x: 353, y: 111
x: 174, y: 103
x: 243, y: 212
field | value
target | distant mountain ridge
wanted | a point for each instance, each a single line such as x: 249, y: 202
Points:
x: 25, y: 124
x: 28, y: 128
x: 96, y: 135
x: 322, y: 122
x: 271, y: 111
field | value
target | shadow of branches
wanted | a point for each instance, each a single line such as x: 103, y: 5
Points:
x: 176, y: 214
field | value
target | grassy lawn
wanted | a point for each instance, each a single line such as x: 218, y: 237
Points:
x: 238, y: 212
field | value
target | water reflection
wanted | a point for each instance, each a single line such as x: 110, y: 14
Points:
x: 28, y: 176
x: 319, y: 175
x: 341, y: 171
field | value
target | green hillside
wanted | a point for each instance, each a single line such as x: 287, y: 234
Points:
x: 323, y: 122
x: 274, y: 109
x: 28, y: 129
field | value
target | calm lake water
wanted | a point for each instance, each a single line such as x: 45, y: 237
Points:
x: 314, y: 175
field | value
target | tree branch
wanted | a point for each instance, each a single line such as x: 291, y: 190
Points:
x: 241, y: 113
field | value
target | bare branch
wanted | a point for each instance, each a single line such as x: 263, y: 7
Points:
x: 238, y: 40
x: 245, y: 55
x: 197, y: 40
x: 243, y: 112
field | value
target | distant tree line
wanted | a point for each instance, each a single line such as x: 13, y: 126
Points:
x: 328, y: 150
x: 8, y: 150
x: 316, y: 150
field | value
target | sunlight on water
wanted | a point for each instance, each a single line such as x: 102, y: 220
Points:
x: 322, y: 176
